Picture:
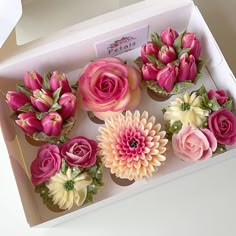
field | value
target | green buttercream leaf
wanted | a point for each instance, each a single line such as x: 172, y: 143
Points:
x: 139, y: 62
x: 24, y: 90
x: 228, y: 104
x: 173, y: 129
x: 40, y: 115
x: 26, y: 108
x: 181, y: 87
x: 64, y: 166
x: 178, y: 42
x: 46, y: 79
x: 201, y: 64
x: 184, y: 50
x: 153, y: 86
x: 55, y: 107
x: 56, y: 95
x: 220, y: 148
x: 75, y: 171
x: 198, y: 76
x: 201, y: 91
x: 44, y: 193
x: 157, y: 40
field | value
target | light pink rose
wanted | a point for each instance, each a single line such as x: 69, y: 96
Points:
x: 46, y: 164
x: 108, y: 85
x: 219, y: 95
x: 80, y: 151
x: 222, y: 124
x: 192, y: 144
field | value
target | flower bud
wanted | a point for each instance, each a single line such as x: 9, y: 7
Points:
x: 190, y: 40
x: 219, y: 95
x: 16, y: 99
x: 166, y: 77
x: 187, y: 68
x: 148, y: 48
x: 52, y: 124
x: 68, y: 104
x: 168, y: 36
x: 149, y: 71
x: 58, y: 80
x: 167, y: 54
x: 42, y: 99
x: 33, y: 80
x: 29, y: 123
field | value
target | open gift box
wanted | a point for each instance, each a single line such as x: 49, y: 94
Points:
x: 68, y: 51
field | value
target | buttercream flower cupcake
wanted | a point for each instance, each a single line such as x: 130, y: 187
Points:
x: 170, y: 63
x: 109, y: 86
x: 68, y: 175
x: 200, y: 124
x: 132, y: 145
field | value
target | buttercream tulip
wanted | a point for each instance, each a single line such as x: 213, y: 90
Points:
x: 148, y: 48
x: 58, y: 80
x: 16, y: 99
x: 33, y: 80
x: 68, y: 104
x: 219, y: 95
x: 52, y: 124
x: 42, y: 99
x: 189, y: 40
x: 187, y: 68
x: 29, y: 123
x: 149, y: 71
x: 108, y: 85
x: 167, y: 76
x: 168, y: 36
x: 167, y: 54
x: 192, y: 144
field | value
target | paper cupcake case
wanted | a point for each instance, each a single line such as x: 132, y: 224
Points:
x: 75, y: 56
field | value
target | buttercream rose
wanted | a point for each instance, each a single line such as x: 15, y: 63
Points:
x: 46, y: 164
x: 80, y: 151
x: 222, y: 124
x: 108, y: 86
x: 192, y: 144
x: 219, y: 95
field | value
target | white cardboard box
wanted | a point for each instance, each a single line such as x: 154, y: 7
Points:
x: 68, y: 51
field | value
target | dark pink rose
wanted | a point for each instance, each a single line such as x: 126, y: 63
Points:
x: 46, y: 164
x: 222, y: 124
x: 219, y: 95
x: 80, y: 151
x: 148, y: 48
x: 166, y: 77
x: 168, y: 36
x: 149, y: 71
x: 192, y: 144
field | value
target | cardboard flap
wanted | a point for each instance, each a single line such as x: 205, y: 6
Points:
x: 10, y: 13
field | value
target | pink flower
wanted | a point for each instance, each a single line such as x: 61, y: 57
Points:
x: 167, y: 54
x: 166, y: 77
x: 58, y: 80
x: 149, y: 71
x: 222, y: 124
x: 29, y: 123
x: 168, y: 36
x: 80, y: 151
x: 42, y: 99
x: 148, y: 48
x: 33, y: 80
x: 190, y: 40
x: 219, y: 95
x: 192, y: 144
x: 52, y: 124
x: 68, y: 104
x: 46, y: 164
x: 107, y: 86
x: 16, y: 99
x: 187, y: 68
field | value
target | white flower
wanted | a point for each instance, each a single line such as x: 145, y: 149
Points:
x: 186, y: 109
x: 67, y: 190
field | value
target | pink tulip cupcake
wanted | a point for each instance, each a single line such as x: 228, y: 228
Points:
x: 170, y: 63
x: 109, y: 86
x: 45, y: 106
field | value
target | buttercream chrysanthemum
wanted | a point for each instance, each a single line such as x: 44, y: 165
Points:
x: 132, y: 145
x: 186, y: 109
x: 67, y: 190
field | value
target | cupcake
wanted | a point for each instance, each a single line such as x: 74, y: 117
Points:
x: 132, y: 145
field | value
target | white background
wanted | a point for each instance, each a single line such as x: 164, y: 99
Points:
x: 200, y: 204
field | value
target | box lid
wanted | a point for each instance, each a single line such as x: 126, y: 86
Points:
x: 10, y: 13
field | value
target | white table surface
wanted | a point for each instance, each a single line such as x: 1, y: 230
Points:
x: 200, y: 204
